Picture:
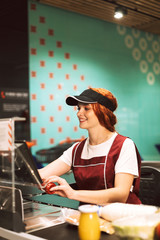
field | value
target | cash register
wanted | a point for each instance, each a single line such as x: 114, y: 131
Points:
x: 34, y: 209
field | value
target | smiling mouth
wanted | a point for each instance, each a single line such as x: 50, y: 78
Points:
x: 82, y: 120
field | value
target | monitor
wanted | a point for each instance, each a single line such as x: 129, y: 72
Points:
x: 25, y: 167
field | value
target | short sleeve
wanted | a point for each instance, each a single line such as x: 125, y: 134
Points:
x: 67, y: 155
x: 127, y: 161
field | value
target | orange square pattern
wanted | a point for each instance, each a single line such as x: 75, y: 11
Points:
x: 51, y: 119
x: 51, y: 75
x: 59, y: 86
x: 60, y: 129
x: 59, y: 65
x: 33, y: 51
x: 67, y: 76
x: 59, y: 44
x: 33, y: 73
x: 67, y: 55
x: 42, y: 19
x: 42, y: 85
x: 50, y: 32
x: 49, y: 80
x: 34, y: 119
x: 50, y: 53
x: 74, y: 66
x: 34, y: 96
x: 42, y: 41
x: 67, y: 118
x: 42, y: 63
x: 43, y: 130
x: 59, y: 108
x: 51, y: 97
x: 33, y: 6
x: 43, y: 108
x: 51, y: 140
x: 33, y: 29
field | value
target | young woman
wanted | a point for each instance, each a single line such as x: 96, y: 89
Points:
x: 106, y: 165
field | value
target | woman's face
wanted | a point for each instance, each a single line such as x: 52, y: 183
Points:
x: 86, y: 116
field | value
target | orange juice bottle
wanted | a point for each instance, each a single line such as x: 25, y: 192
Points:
x: 89, y: 227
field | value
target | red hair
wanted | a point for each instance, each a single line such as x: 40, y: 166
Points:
x: 105, y: 116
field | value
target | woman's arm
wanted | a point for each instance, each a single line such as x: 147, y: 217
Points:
x: 57, y: 167
x: 119, y: 193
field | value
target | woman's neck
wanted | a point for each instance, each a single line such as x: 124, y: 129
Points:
x: 99, y: 136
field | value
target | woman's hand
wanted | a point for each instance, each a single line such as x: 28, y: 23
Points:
x: 63, y: 189
x: 48, y: 188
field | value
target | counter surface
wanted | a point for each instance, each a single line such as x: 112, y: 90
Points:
x: 66, y: 231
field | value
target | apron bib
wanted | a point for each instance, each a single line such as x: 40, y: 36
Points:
x: 99, y: 172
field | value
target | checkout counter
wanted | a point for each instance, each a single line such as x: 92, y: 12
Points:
x: 26, y: 211
x: 37, y: 215
x: 41, y: 217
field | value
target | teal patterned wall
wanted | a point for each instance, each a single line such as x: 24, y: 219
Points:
x: 68, y: 53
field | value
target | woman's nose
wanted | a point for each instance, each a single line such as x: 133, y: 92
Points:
x: 80, y: 112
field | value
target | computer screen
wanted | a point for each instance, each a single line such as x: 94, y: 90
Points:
x: 25, y: 168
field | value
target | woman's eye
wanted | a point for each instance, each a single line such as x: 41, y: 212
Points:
x: 84, y: 108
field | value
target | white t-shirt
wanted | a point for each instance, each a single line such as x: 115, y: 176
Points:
x: 126, y: 163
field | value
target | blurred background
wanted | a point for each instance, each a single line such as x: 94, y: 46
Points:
x: 51, y: 49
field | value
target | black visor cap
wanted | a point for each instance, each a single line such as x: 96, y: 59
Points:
x: 90, y: 96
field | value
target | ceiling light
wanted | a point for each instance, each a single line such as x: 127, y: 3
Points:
x: 120, y: 12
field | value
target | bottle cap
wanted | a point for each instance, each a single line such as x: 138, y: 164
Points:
x: 87, y: 208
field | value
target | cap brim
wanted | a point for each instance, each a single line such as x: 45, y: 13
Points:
x: 74, y: 100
